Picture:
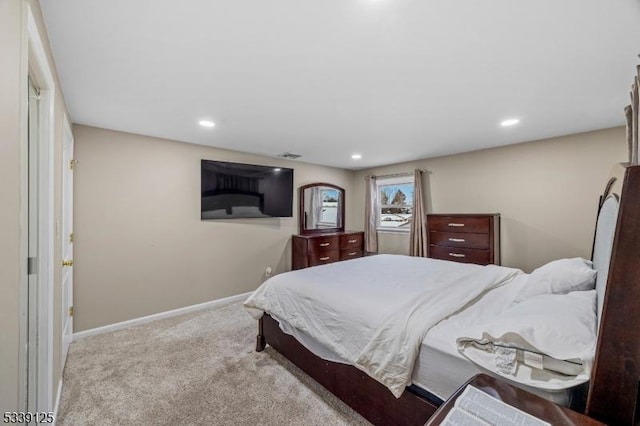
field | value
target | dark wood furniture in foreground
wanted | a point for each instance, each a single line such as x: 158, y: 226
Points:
x: 466, y: 238
x: 516, y: 397
x: 615, y: 378
x: 614, y: 390
x: 318, y: 249
x: 365, y: 395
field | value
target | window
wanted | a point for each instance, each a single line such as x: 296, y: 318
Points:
x: 330, y: 202
x: 394, y: 203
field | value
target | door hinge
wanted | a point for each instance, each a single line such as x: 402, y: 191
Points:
x: 71, y: 237
x: 72, y: 163
x: 32, y: 265
x: 71, y: 311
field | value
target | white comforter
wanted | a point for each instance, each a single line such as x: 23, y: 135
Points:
x: 375, y: 311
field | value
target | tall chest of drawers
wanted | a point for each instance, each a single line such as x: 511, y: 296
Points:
x: 318, y: 249
x: 466, y: 238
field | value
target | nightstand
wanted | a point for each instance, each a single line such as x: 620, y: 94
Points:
x: 516, y: 397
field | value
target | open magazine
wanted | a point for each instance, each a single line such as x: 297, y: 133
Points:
x: 476, y: 408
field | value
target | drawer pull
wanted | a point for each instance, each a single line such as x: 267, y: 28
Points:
x: 325, y: 258
x: 457, y: 255
x: 353, y: 253
x: 457, y: 240
x: 325, y: 244
x: 353, y: 241
x: 456, y: 224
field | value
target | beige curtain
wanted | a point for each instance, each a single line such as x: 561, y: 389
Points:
x: 418, y: 240
x: 315, y: 208
x: 635, y: 118
x: 370, y: 216
x: 628, y: 115
x: 632, y: 115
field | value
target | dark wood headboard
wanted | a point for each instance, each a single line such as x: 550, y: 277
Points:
x: 615, y: 379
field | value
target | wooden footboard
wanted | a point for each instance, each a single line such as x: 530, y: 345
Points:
x: 362, y: 393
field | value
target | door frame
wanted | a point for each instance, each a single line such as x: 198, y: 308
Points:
x: 35, y: 63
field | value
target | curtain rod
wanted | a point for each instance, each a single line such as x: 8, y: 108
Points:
x: 399, y: 174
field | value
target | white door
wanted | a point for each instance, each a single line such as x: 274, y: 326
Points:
x: 67, y: 239
x: 33, y: 320
x: 37, y: 186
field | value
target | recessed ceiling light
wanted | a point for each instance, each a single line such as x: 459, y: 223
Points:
x: 206, y: 123
x: 509, y: 122
x: 356, y: 156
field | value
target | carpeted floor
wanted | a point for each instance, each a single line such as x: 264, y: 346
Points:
x: 195, y: 369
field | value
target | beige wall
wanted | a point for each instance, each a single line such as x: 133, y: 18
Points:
x: 140, y: 246
x: 10, y: 169
x: 546, y: 192
x: 13, y: 80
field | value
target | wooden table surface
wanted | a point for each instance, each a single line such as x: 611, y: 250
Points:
x: 516, y: 397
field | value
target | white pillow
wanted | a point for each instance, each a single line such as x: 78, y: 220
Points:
x: 559, y: 277
x: 547, y: 341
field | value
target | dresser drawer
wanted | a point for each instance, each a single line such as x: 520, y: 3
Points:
x: 350, y: 254
x: 324, y: 244
x: 324, y: 257
x: 458, y: 239
x: 321, y: 248
x: 352, y: 241
x: 459, y: 224
x: 463, y: 255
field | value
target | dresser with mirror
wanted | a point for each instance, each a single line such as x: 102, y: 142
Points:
x: 322, y: 238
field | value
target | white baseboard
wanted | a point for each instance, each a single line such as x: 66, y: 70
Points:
x: 167, y: 314
x: 57, y: 405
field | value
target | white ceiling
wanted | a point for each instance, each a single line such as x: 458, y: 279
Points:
x: 393, y: 80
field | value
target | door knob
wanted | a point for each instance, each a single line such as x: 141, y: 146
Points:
x: 67, y: 262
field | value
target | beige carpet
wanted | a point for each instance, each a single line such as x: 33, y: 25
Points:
x: 195, y: 369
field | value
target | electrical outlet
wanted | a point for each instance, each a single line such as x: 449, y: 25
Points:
x: 267, y: 272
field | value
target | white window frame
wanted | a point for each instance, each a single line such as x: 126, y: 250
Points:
x: 384, y: 181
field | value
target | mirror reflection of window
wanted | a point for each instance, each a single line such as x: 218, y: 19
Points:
x: 330, y: 202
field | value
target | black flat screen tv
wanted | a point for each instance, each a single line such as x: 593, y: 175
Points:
x: 235, y: 190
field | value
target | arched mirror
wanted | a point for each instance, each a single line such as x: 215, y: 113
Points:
x: 321, y: 208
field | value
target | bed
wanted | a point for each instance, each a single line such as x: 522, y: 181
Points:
x: 374, y: 386
x: 231, y: 203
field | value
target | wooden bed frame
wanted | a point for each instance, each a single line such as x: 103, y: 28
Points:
x: 615, y: 379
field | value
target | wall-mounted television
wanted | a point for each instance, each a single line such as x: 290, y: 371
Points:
x: 235, y: 190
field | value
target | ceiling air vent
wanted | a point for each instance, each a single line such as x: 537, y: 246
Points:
x: 290, y: 156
